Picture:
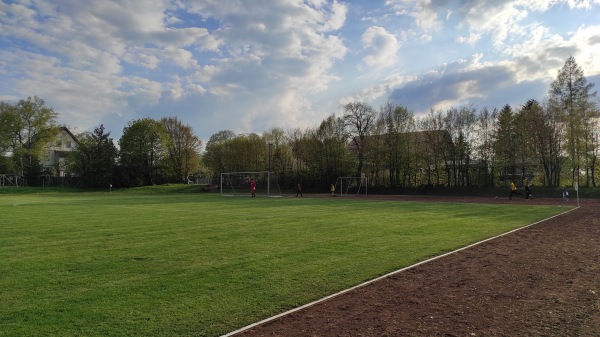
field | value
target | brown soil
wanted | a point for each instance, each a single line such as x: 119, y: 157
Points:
x: 543, y: 280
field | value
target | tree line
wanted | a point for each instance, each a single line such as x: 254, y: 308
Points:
x: 548, y: 142
x: 149, y: 152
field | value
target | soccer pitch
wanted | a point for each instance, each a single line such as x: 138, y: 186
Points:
x: 100, y: 264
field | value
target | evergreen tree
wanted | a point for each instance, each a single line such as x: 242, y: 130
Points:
x: 505, y: 143
x: 93, y: 158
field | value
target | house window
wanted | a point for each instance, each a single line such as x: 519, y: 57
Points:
x: 68, y: 145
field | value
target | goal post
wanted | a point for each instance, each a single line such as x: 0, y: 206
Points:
x: 238, y: 184
x: 351, y: 185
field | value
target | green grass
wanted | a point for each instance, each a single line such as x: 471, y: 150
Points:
x: 188, y: 264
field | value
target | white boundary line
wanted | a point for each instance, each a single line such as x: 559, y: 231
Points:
x: 383, y: 277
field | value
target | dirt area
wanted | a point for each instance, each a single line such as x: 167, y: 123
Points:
x: 543, y: 280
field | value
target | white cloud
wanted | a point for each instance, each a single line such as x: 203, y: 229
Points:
x: 9, y: 98
x: 181, y: 57
x: 197, y: 88
x: 500, y: 20
x: 281, y: 49
x: 426, y: 16
x: 423, y: 12
x: 543, y: 53
x: 206, y: 73
x: 381, y: 47
x: 337, y: 18
x: 252, y: 64
x: 587, y: 40
x: 470, y: 39
x: 582, y: 4
x: 380, y: 91
x: 97, y: 30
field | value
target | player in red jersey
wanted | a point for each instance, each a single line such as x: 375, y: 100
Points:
x: 253, y: 188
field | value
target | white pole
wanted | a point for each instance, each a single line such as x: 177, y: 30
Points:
x: 269, y: 173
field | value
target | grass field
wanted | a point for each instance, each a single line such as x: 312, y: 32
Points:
x: 139, y: 264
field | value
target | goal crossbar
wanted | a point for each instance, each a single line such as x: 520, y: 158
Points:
x: 238, y: 183
x: 354, y: 185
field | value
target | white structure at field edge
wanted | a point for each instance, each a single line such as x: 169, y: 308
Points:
x: 238, y: 183
x: 353, y: 185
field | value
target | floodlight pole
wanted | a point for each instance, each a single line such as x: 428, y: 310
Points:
x: 577, y: 191
x: 269, y: 173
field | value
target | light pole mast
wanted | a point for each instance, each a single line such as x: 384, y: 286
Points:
x: 269, y: 173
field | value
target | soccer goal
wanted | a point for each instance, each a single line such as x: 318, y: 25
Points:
x: 238, y: 184
x: 351, y: 185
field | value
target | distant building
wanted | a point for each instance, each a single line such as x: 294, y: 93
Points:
x: 57, y: 151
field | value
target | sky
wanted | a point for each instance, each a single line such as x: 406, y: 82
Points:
x: 252, y: 65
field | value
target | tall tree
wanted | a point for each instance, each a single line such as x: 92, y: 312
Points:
x: 486, y: 127
x: 246, y: 152
x: 8, y: 118
x: 359, y: 118
x: 30, y: 126
x: 572, y: 94
x: 376, y: 155
x: 94, y: 157
x: 542, y: 130
x: 460, y: 124
x: 280, y: 150
x: 143, y: 147
x: 294, y: 139
x: 434, y: 148
x: 594, y: 152
x: 505, y: 143
x: 398, y: 123
x: 324, y: 152
x: 250, y: 153
x: 215, y: 153
x: 242, y: 153
x: 591, y: 115
x: 528, y: 122
x: 182, y: 148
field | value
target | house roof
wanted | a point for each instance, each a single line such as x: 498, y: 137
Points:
x: 65, y: 129
x: 61, y: 128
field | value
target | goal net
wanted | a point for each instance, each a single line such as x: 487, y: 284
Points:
x: 238, y: 184
x: 351, y: 185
